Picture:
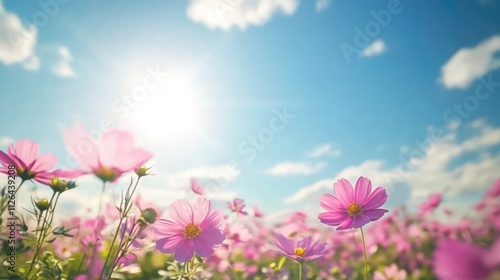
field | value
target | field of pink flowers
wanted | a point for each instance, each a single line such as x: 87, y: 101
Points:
x: 354, y: 238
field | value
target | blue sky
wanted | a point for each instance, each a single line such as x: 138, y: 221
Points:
x: 296, y: 93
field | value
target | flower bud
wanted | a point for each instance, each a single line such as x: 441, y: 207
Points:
x: 149, y: 215
x: 142, y: 171
x: 42, y: 204
x: 58, y: 185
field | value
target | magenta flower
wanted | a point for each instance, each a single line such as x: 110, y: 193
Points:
x: 303, y: 250
x: 24, y: 156
x: 237, y: 206
x: 109, y: 159
x: 458, y: 260
x: 353, y: 208
x: 194, y: 229
x: 196, y: 188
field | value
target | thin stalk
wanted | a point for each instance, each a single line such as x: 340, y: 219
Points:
x: 41, y: 237
x: 300, y: 270
x: 123, y: 215
x: 364, y: 253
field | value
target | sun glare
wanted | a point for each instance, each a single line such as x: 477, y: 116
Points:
x: 167, y: 111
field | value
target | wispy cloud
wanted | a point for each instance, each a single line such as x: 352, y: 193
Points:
x: 470, y: 64
x: 322, y: 5
x: 61, y: 67
x: 5, y: 141
x: 376, y: 48
x: 241, y: 13
x: 296, y: 168
x: 428, y: 170
x: 17, y: 42
x: 324, y: 150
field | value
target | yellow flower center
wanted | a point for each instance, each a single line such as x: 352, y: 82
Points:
x: 299, y: 252
x: 106, y: 174
x: 191, y: 231
x: 354, y: 209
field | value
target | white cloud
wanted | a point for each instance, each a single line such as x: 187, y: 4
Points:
x: 62, y: 67
x: 324, y: 150
x: 375, y: 48
x: 5, y: 141
x: 225, y: 14
x: 429, y: 170
x: 296, y: 168
x: 17, y: 42
x: 322, y: 5
x: 470, y: 64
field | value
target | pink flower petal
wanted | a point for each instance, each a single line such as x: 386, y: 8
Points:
x: 214, y: 220
x: 113, y: 144
x: 213, y: 237
x: 5, y: 159
x: 26, y: 150
x: 347, y: 224
x: 202, y: 248
x: 82, y: 146
x: 343, y: 190
x: 333, y: 218
x: 359, y: 221
x: 69, y: 174
x: 181, y: 212
x: 43, y: 163
x: 363, y: 189
x: 201, y: 209
x: 166, y: 227
x: 376, y: 199
x: 374, y: 214
x: 185, y: 251
x: 285, y: 244
x: 168, y: 245
x: 132, y: 159
x: 331, y: 203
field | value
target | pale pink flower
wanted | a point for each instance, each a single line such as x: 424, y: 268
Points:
x: 237, y: 206
x: 431, y: 204
x: 29, y: 165
x: 109, y: 159
x: 196, y: 188
x: 257, y: 213
x: 390, y: 273
x: 353, y: 208
x: 194, y: 229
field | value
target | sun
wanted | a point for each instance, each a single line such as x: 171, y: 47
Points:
x: 168, y: 111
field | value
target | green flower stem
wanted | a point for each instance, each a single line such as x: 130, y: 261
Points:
x: 42, y: 231
x: 300, y: 270
x: 125, y: 206
x: 364, y: 253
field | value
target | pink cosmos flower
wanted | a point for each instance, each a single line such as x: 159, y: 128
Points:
x: 194, y: 229
x: 196, y: 188
x: 390, y: 273
x: 303, y: 250
x: 24, y: 156
x: 109, y: 159
x: 353, y: 208
x: 431, y: 204
x: 237, y: 206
